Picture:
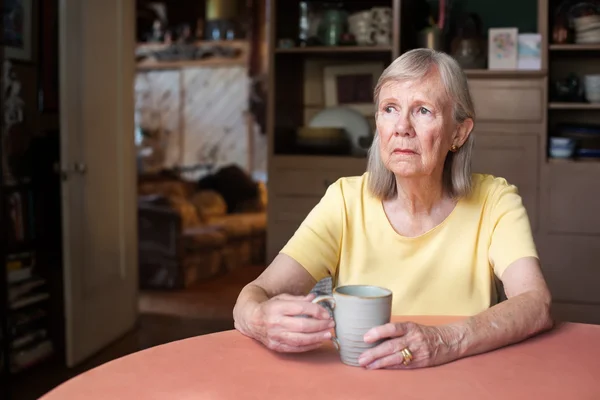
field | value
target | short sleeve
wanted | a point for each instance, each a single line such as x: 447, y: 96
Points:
x: 317, y: 241
x: 511, y: 237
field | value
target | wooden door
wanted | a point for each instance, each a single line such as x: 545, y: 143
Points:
x: 98, y: 163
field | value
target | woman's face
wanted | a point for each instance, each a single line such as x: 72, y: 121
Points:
x: 416, y: 126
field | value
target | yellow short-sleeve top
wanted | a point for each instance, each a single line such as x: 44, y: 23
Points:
x: 448, y: 270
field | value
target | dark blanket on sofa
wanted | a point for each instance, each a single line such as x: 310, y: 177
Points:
x: 233, y: 183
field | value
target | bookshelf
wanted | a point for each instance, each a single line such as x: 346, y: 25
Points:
x: 27, y: 307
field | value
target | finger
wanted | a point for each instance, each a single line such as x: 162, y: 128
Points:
x: 310, y: 296
x: 386, y: 331
x: 305, y: 308
x: 297, y: 339
x: 291, y: 297
x: 306, y: 325
x: 387, y: 348
x: 390, y: 361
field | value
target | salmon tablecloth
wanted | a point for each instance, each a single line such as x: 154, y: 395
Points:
x: 561, y: 364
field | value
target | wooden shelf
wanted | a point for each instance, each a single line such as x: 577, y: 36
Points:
x: 214, y: 62
x: 574, y: 47
x: 490, y: 73
x: 151, y: 63
x: 574, y: 106
x: 334, y: 49
x: 283, y: 161
x: 595, y: 161
x: 145, y: 48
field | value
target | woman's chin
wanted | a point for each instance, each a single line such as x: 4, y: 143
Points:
x: 404, y: 169
x: 405, y: 172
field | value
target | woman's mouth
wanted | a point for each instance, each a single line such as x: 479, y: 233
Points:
x: 404, y: 151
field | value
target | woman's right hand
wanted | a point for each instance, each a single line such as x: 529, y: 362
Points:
x: 279, y: 325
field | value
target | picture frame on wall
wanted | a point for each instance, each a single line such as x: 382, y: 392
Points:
x: 352, y: 86
x: 18, y: 30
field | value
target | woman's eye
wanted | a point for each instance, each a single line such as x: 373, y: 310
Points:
x: 388, y: 109
x: 424, y: 111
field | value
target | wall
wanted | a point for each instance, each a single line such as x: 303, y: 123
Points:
x: 204, y: 109
x: 507, y: 13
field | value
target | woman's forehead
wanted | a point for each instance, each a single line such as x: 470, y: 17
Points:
x: 429, y: 87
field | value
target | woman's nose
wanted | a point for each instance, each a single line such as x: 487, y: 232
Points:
x: 403, y: 126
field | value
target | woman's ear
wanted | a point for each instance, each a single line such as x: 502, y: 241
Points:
x: 463, y: 130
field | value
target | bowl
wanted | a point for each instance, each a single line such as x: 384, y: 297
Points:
x: 561, y: 147
x: 561, y: 153
x: 561, y: 142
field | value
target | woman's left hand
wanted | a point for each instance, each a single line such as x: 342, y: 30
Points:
x: 429, y: 346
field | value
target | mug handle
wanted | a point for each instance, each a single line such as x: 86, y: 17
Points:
x: 331, y: 301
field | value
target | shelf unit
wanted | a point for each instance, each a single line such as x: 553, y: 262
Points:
x: 31, y: 304
x: 569, y: 237
x: 296, y: 78
x: 26, y: 289
x: 565, y: 59
x: 296, y: 81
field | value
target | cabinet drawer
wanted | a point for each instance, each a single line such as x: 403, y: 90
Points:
x: 572, y: 312
x: 304, y: 182
x: 292, y: 209
x: 570, y: 265
x: 574, y: 194
x: 508, y: 100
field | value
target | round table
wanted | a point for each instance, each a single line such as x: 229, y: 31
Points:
x: 561, y: 364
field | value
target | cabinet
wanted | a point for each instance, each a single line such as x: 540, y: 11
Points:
x: 573, y: 199
x: 516, y: 115
x: 508, y: 100
x: 296, y: 184
x: 509, y: 132
x: 514, y: 158
x: 569, y: 197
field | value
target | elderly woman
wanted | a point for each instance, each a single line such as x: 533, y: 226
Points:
x: 417, y: 222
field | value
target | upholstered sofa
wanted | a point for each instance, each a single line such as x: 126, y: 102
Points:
x: 187, y: 234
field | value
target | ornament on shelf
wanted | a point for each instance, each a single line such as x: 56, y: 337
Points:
x: 11, y: 92
x: 14, y: 141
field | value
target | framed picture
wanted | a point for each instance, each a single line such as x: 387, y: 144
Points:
x: 503, y: 48
x: 530, y: 51
x: 352, y: 86
x: 18, y: 25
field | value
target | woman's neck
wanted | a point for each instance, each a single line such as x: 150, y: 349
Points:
x: 420, y: 196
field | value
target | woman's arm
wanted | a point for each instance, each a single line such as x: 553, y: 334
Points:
x: 267, y: 309
x: 525, y: 313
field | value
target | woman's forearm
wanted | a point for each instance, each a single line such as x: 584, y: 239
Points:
x: 243, y: 312
x: 506, y: 323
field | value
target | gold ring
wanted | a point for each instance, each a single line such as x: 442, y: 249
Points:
x: 407, y: 355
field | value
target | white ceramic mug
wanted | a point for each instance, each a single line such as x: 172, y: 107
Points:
x: 357, y: 309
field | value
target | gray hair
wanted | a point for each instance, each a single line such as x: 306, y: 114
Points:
x: 412, y: 65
